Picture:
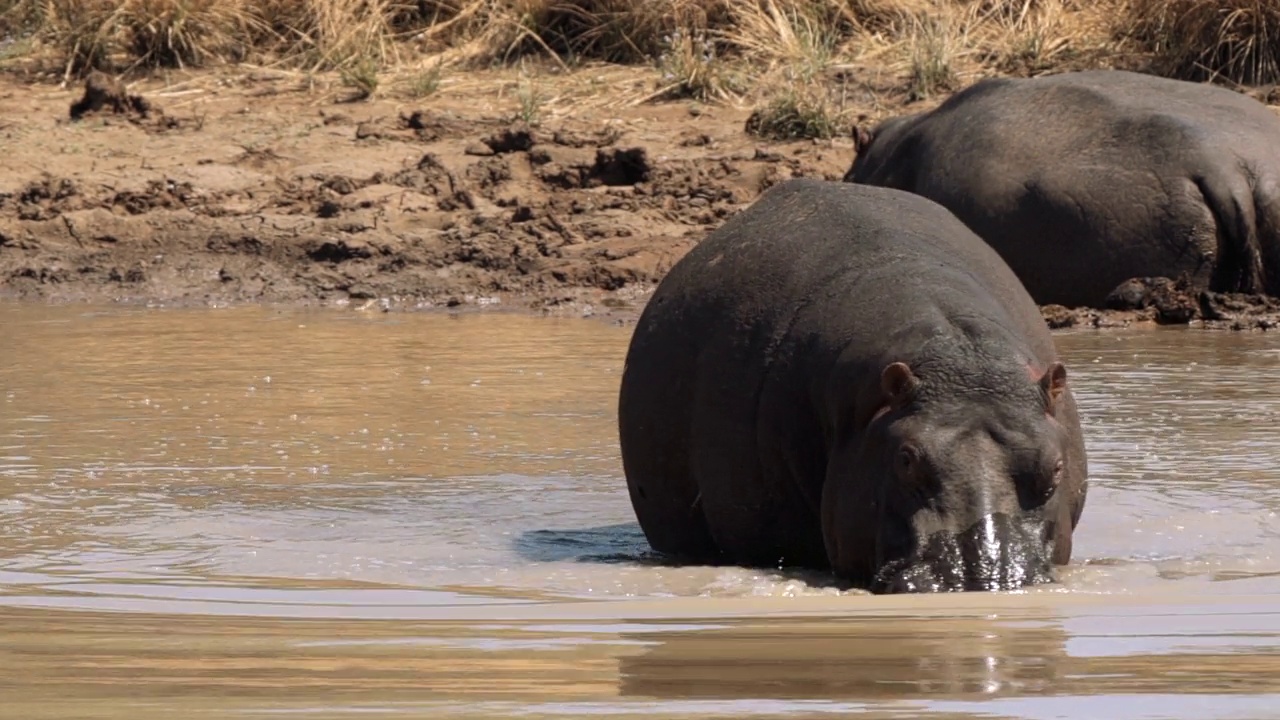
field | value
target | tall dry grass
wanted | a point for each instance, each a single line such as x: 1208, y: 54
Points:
x: 625, y: 31
x: 1237, y: 40
x: 782, y: 51
x: 158, y: 33
x: 324, y: 33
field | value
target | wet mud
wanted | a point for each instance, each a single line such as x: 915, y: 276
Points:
x: 424, y: 206
x: 1164, y: 301
x: 250, y: 190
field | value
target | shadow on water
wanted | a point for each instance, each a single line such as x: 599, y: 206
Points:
x: 625, y: 544
x: 609, y: 544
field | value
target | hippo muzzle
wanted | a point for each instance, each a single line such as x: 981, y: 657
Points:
x: 997, y: 552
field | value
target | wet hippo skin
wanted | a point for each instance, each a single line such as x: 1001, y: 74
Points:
x: 845, y: 377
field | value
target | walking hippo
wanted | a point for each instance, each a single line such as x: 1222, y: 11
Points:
x: 1084, y: 180
x: 845, y: 377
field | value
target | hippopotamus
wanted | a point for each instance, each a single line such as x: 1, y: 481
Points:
x: 845, y: 378
x: 1083, y: 180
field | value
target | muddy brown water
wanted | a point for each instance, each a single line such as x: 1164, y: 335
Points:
x: 250, y: 513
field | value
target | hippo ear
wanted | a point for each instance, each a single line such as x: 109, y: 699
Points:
x: 861, y: 139
x: 1054, y: 384
x: 898, y: 383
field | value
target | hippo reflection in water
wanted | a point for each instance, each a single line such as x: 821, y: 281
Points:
x: 844, y: 377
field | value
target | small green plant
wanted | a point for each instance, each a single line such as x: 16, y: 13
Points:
x: 531, y: 99
x: 1030, y: 53
x: 362, y: 75
x: 818, y: 48
x: 11, y: 49
x: 426, y: 82
x: 930, y: 46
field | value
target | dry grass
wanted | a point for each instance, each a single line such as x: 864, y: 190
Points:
x: 691, y: 66
x: 79, y: 32
x: 192, y: 32
x: 624, y: 31
x: 1238, y: 40
x: 935, y: 44
x: 778, y: 55
x: 83, y: 34
x: 796, y: 114
x: 801, y: 37
x: 321, y: 34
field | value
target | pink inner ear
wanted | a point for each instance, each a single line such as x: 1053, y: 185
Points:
x: 1059, y: 384
x: 896, y: 380
x: 1036, y: 375
x: 861, y: 139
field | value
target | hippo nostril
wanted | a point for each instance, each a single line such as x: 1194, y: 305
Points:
x: 995, y: 553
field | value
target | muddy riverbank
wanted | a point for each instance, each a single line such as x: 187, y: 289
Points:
x: 251, y: 187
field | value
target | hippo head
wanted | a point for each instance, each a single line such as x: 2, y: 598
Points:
x: 871, y: 145
x: 960, y: 481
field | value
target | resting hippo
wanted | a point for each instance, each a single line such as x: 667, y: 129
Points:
x: 845, y: 377
x: 1085, y: 179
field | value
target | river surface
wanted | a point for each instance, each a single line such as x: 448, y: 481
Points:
x: 257, y: 513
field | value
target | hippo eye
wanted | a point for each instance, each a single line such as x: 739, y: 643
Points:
x: 906, y: 460
x: 1047, y: 489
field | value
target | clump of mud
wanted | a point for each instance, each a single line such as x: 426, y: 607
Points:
x: 1166, y: 301
x: 103, y: 92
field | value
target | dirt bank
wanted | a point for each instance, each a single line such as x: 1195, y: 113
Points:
x: 259, y: 192
x: 250, y: 187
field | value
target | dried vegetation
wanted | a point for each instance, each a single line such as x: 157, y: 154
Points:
x: 1233, y: 40
x: 801, y: 63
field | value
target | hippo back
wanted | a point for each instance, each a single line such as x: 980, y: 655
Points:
x: 772, y: 259
x: 1055, y: 117
x: 1083, y: 180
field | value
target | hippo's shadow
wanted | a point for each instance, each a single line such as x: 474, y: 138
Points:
x: 620, y: 543
x: 625, y: 544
